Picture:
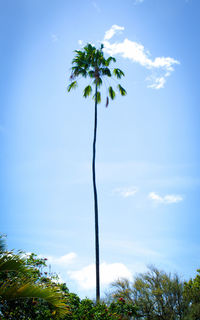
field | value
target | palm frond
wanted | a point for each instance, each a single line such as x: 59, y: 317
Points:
x: 98, y: 97
x: 111, y: 93
x: 9, y: 291
x: 105, y: 72
x: 108, y: 61
x: 10, y: 262
x: 91, y: 73
x: 72, y: 85
x: 98, y: 82
x: 122, y: 90
x: 78, y: 70
x: 87, y: 91
x: 118, y: 73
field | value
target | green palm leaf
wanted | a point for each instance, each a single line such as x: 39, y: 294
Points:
x: 98, y: 97
x: 87, y: 91
x: 118, y: 73
x: 91, y: 73
x: 111, y: 93
x: 8, y: 262
x: 98, y: 82
x: 72, y: 85
x: 108, y: 61
x: 122, y: 90
x: 105, y: 72
x: 10, y: 291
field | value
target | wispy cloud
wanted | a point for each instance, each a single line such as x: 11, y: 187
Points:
x: 134, y: 51
x: 125, y: 192
x: 85, y: 277
x: 167, y: 199
x: 64, y: 260
x: 111, y: 32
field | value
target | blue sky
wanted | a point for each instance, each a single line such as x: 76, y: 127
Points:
x: 148, y: 175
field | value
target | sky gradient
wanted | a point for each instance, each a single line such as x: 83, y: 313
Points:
x: 148, y: 172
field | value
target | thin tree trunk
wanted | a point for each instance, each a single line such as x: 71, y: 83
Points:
x: 96, y: 204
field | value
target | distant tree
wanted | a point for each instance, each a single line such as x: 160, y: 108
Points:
x: 91, y: 63
x: 157, y: 295
x: 86, y: 309
x: 192, y: 295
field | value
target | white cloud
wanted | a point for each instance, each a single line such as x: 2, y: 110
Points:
x: 80, y: 42
x: 136, y: 52
x: 157, y: 83
x: 168, y: 199
x: 64, y: 260
x: 112, y: 31
x: 126, y: 192
x: 108, y: 273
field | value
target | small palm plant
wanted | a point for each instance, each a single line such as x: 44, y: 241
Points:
x: 91, y: 63
x: 16, y: 283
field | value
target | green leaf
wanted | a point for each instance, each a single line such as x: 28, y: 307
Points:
x: 91, y: 74
x: 105, y: 72
x: 87, y: 91
x: 77, y: 70
x: 122, y: 90
x: 98, y: 97
x: 72, y: 85
x: 108, y: 61
x: 111, y: 93
x: 118, y: 73
x: 98, y: 82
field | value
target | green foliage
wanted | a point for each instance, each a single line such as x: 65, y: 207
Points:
x: 98, y: 97
x: 87, y: 91
x: 106, y: 72
x: 192, y: 296
x: 121, y: 90
x: 111, y: 93
x: 72, y: 85
x: 108, y: 61
x: 118, y: 73
x: 86, y: 309
x: 23, y: 292
x: 157, y: 295
x: 90, y: 62
x: 28, y: 291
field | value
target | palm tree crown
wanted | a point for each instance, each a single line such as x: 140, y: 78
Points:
x: 91, y: 63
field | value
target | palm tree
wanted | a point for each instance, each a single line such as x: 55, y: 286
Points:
x: 16, y: 283
x: 90, y: 62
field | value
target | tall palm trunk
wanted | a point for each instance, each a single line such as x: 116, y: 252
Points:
x: 96, y: 203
